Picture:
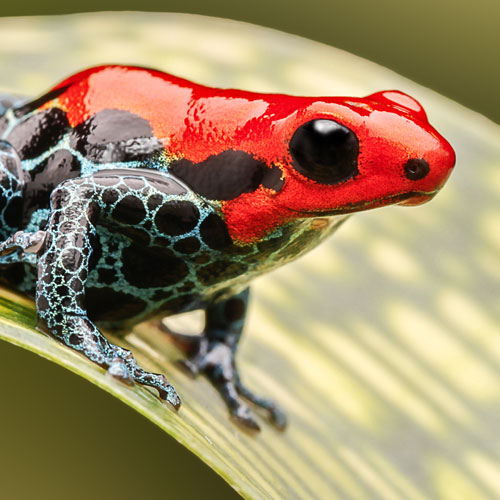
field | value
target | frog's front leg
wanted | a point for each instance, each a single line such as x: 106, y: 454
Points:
x: 62, y: 276
x: 214, y: 355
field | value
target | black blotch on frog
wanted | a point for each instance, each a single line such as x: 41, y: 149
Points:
x: 43, y: 179
x: 214, y: 233
x: 175, y: 218
x: 39, y: 133
x: 129, y: 210
x: 115, y: 135
x: 227, y: 175
x: 152, y: 267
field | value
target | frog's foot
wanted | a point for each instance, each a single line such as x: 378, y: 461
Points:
x: 120, y: 363
x: 215, y: 359
x: 124, y: 367
x: 23, y: 243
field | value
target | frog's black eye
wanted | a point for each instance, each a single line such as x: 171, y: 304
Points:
x: 416, y: 169
x: 325, y: 151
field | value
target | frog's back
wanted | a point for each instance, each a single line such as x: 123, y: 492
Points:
x: 52, y: 145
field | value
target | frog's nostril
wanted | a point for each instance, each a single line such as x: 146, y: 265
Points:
x: 416, y: 169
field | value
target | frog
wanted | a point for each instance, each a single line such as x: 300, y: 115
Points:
x: 128, y: 194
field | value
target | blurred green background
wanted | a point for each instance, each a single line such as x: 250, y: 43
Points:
x: 451, y: 46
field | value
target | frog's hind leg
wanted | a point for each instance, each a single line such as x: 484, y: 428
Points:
x: 213, y: 354
x: 63, y: 265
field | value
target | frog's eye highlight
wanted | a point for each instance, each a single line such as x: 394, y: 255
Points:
x: 416, y: 169
x: 325, y: 151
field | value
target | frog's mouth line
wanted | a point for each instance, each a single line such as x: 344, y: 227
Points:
x: 407, y: 199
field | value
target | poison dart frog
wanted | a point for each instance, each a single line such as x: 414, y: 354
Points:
x: 129, y: 194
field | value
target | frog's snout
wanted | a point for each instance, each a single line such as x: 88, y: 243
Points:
x: 433, y: 174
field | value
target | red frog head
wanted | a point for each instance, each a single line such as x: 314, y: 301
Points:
x: 342, y: 155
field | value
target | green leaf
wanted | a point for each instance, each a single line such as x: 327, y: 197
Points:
x: 382, y: 344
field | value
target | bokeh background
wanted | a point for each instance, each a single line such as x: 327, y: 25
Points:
x: 449, y: 46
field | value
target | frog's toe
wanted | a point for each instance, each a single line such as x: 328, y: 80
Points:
x: 123, y: 366
x: 278, y: 418
x: 243, y: 416
x: 161, y: 384
x: 169, y: 394
x: 275, y: 414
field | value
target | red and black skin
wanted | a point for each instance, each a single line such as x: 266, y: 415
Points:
x: 127, y: 193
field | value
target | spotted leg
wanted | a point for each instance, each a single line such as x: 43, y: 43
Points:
x: 214, y: 355
x: 62, y: 275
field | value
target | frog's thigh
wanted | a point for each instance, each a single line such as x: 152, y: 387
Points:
x: 157, y: 214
